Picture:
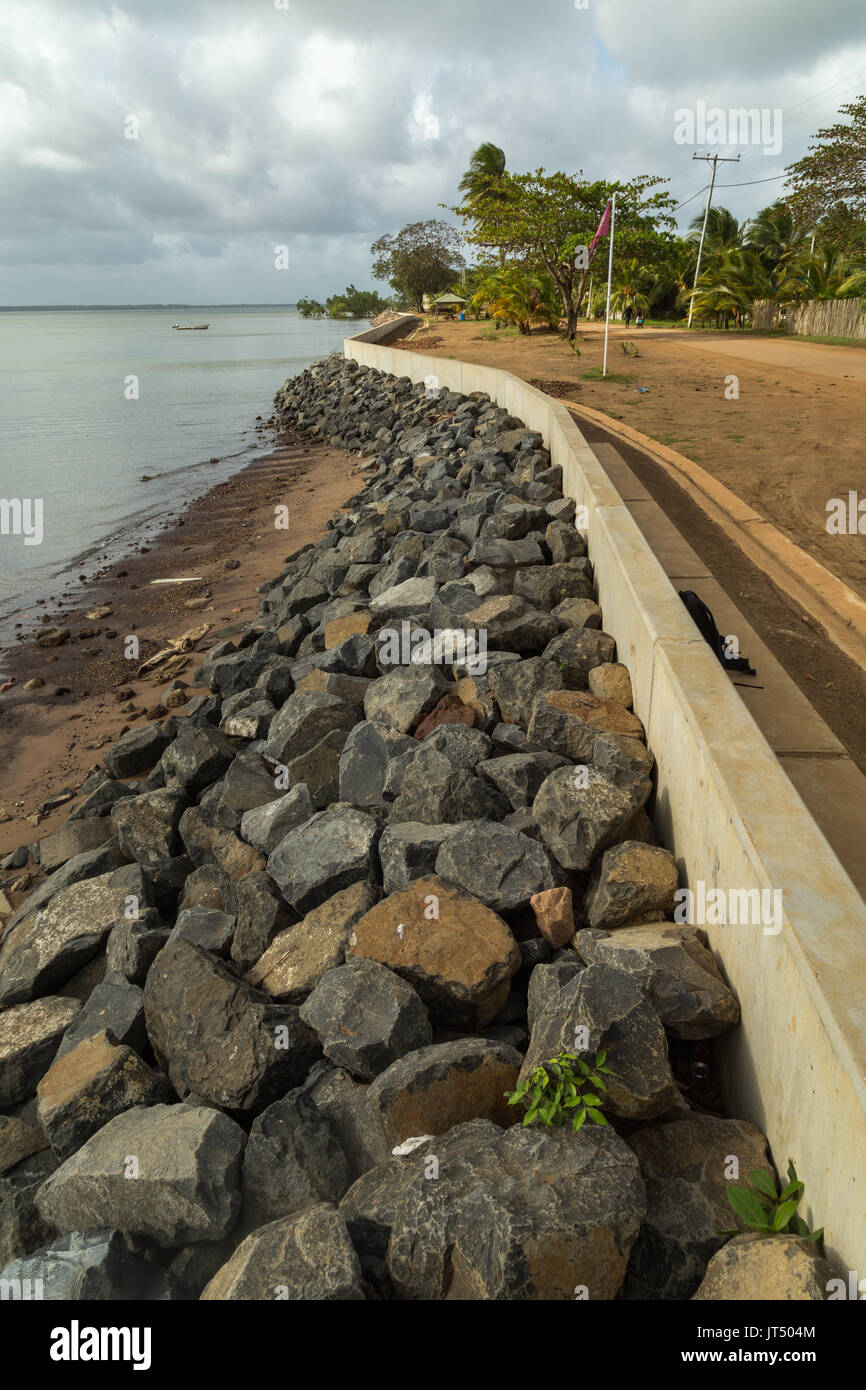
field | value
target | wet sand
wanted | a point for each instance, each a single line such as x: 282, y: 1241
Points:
x: 228, y: 541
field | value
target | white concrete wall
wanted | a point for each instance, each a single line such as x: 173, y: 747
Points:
x: 797, y: 1065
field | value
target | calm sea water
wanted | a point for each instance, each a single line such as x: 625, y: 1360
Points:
x: 71, y: 435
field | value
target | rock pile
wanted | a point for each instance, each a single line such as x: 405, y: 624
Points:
x: 255, y: 1038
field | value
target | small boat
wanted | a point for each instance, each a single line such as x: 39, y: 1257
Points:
x: 190, y: 327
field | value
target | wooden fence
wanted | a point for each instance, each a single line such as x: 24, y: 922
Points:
x: 831, y: 318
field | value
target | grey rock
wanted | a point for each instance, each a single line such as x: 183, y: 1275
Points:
x: 488, y: 1229
x: 195, y: 759
x: 188, y: 1161
x: 578, y: 651
x: 514, y: 686
x: 345, y: 1103
x: 546, y: 587
x: 674, y: 967
x: 408, y: 850
x: 299, y: 955
x: 137, y: 751
x: 48, y: 946
x: 512, y: 624
x: 684, y: 1163
x: 578, y: 612
x: 304, y: 720
x: 501, y: 867
x: 262, y: 913
x: 330, y: 852
x: 519, y: 776
x: 402, y: 697
x: 29, y: 1038
x: 264, y: 826
x: 147, y: 825
x: 366, y: 760
x: 366, y: 1017
x: 114, y: 1004
x: 611, y: 1006
x: 292, y: 1161
x: 305, y: 1257
x: 205, y: 927
x: 85, y: 1266
x: 580, y: 812
x: 133, y: 946
x: 218, y: 1038
x: 74, y: 838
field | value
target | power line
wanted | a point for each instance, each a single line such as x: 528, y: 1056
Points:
x: 773, y: 179
x: 838, y: 83
x: 694, y: 195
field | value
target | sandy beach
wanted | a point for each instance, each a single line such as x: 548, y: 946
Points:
x: 228, y: 541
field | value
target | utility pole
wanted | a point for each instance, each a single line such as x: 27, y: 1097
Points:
x: 715, y: 160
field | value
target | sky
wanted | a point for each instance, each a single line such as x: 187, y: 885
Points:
x: 249, y: 151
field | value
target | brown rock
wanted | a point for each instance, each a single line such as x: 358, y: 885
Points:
x: 18, y: 1140
x: 566, y: 721
x: 349, y: 688
x: 611, y: 681
x: 298, y: 957
x: 88, y: 1086
x: 435, y: 1088
x: 450, y: 710
x: 753, y: 1269
x: 553, y: 913
x: 338, y: 629
x: 457, y: 953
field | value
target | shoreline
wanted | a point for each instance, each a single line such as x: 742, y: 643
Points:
x: 49, y: 741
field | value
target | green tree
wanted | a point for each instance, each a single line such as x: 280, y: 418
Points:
x: 828, y: 185
x: 485, y: 184
x: 310, y: 309
x: 514, y: 295
x: 424, y: 258
x: 548, y: 221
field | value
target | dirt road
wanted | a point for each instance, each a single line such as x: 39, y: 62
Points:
x: 793, y: 437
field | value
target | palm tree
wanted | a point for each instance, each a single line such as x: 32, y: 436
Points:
x: 515, y: 295
x: 773, y: 234
x: 485, y: 174
x: 630, y: 286
x: 485, y: 181
x: 723, y: 230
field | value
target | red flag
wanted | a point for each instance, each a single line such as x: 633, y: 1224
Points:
x: 603, y: 228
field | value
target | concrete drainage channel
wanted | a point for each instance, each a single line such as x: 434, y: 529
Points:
x: 396, y: 860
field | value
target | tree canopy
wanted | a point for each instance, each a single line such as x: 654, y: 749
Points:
x: 424, y: 258
x: 828, y: 185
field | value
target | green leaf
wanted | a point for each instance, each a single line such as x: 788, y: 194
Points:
x: 783, y: 1214
x: 590, y: 1099
x: 579, y: 1121
x: 600, y: 1057
x: 793, y: 1189
x: 764, y: 1183
x: 583, y: 1067
x: 596, y: 1117
x: 815, y: 1235
x: 748, y: 1205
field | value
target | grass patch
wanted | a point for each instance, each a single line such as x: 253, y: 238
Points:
x: 493, y: 335
x: 595, y: 374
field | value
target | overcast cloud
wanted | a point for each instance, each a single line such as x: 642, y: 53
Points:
x: 321, y: 124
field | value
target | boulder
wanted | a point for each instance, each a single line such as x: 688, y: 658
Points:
x: 512, y: 624
x: 402, y: 697
x: 217, y: 1037
x: 262, y: 913
x: 515, y: 684
x: 345, y: 1103
x: 48, y: 946
x: 133, y: 946
x: 453, y: 950
x: 195, y: 759
x: 89, y: 1085
x: 611, y: 1007
x: 86, y: 1266
x: 299, y: 956
x: 138, y: 751
x: 408, y: 850
x: 580, y: 812
x: 304, y: 720
x: 546, y: 586
x: 611, y: 681
x: 554, y: 915
x: 264, y: 826
x: 437, y: 1087
x: 366, y: 1017
x: 576, y: 652
x: 302, y: 1258
x: 292, y: 1161
x: 489, y: 1227
x: 168, y: 1172
x: 366, y: 759
x: 566, y: 722
x: 29, y: 1038
x: 330, y: 852
x: 676, y: 970
x: 754, y: 1269
x: 115, y: 1004
x: 684, y: 1163
x: 206, y: 927
x: 632, y: 879
x: 500, y: 866
x: 74, y: 838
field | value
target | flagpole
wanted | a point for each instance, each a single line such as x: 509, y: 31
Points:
x: 609, y: 276
x: 589, y: 299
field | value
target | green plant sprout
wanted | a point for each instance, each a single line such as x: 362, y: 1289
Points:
x: 554, y: 1093
x: 769, y: 1212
